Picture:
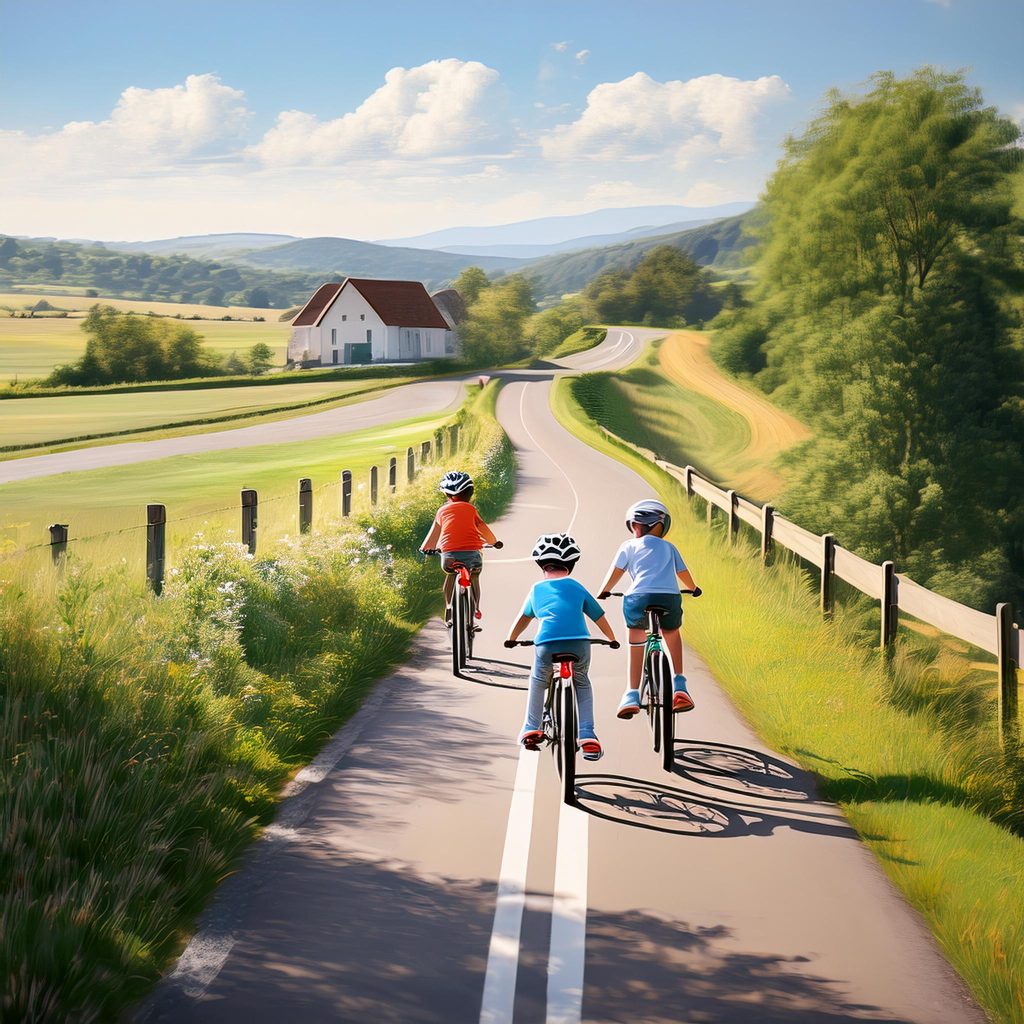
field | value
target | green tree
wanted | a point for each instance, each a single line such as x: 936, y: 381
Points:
x: 260, y: 357
x: 493, y: 331
x: 470, y: 283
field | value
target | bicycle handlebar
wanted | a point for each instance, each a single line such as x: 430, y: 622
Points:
x: 619, y: 593
x: 590, y: 639
x: 437, y: 551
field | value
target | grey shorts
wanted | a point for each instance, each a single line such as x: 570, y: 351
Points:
x: 472, y: 560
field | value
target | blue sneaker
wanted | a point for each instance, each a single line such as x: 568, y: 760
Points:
x: 629, y: 705
x: 681, y: 700
x: 590, y: 745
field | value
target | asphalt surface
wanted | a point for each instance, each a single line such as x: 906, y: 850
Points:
x: 424, y: 870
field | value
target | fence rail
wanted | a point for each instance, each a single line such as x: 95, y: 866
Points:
x: 997, y: 634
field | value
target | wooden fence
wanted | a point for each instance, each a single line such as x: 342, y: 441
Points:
x: 895, y: 592
x: 442, y: 443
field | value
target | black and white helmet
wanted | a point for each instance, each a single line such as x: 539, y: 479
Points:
x: 455, y: 482
x: 556, y: 547
x: 648, y: 512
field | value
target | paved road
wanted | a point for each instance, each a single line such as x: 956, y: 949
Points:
x: 425, y: 872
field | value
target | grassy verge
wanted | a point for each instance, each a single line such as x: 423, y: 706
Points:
x: 145, y: 740
x: 909, y: 753
x: 579, y: 341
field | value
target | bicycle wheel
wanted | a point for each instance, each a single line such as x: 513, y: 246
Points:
x: 467, y: 627
x: 555, y: 688
x: 568, y: 744
x: 457, y: 635
x: 649, y: 698
x: 470, y: 623
x: 662, y: 683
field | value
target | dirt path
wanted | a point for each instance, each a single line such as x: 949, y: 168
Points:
x: 686, y: 360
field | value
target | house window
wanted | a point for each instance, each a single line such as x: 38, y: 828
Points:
x: 334, y: 336
x: 362, y: 316
x: 344, y: 316
x: 427, y: 336
x: 369, y: 335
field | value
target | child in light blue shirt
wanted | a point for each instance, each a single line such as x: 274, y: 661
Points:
x: 561, y: 606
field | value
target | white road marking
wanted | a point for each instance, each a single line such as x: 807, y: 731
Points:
x: 612, y: 353
x: 503, y: 956
x: 568, y: 918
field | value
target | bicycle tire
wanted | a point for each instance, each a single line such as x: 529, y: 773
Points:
x: 456, y: 635
x: 648, y: 686
x: 467, y: 627
x: 568, y: 744
x: 470, y: 623
x: 663, y: 680
x: 556, y: 722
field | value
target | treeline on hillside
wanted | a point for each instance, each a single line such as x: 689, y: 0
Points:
x: 143, y: 276
x: 886, y: 312
x: 128, y: 348
x: 665, y: 288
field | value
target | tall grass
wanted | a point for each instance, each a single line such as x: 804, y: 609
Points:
x: 145, y: 740
x: 909, y: 750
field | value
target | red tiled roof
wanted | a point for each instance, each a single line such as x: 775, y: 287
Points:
x: 322, y: 298
x: 399, y: 303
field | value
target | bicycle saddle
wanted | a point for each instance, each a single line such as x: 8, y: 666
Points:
x: 572, y: 658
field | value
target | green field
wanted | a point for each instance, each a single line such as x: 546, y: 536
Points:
x: 33, y: 346
x: 26, y: 421
x: 79, y: 304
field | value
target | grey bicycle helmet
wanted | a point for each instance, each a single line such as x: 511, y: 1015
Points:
x: 556, y: 547
x: 455, y: 482
x: 648, y: 512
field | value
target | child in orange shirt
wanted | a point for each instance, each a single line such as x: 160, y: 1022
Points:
x: 460, y: 534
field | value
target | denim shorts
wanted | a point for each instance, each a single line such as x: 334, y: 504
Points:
x: 634, y: 607
x: 472, y: 560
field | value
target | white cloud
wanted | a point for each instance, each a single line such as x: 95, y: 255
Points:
x: 197, y: 121
x: 641, y: 119
x: 560, y: 47
x: 442, y: 108
x: 582, y: 56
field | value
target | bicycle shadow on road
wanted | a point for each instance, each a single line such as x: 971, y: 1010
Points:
x: 505, y: 675
x: 640, y: 803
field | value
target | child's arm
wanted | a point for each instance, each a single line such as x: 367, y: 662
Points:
x: 688, y: 584
x: 430, y: 541
x: 606, y: 627
x: 486, y: 532
x: 517, y: 628
x: 614, y: 575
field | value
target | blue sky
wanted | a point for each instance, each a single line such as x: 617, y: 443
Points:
x: 144, y: 119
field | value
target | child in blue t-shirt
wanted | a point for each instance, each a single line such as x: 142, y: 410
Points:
x: 559, y: 604
x: 656, y: 569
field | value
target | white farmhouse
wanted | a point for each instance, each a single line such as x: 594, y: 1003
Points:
x: 362, y: 320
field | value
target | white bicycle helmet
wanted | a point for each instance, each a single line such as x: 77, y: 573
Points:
x: 648, y: 512
x: 455, y: 482
x: 556, y: 547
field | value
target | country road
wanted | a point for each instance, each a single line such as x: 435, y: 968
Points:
x: 423, y: 870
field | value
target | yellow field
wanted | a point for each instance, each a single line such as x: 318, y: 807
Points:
x: 33, y: 346
x: 82, y: 303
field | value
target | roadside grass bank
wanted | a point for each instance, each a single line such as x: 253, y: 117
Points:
x: 71, y: 420
x: 909, y: 752
x: 145, y: 740
x: 201, y: 492
x: 579, y: 341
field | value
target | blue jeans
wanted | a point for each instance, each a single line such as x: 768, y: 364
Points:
x: 541, y: 674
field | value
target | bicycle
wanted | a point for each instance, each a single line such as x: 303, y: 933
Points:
x: 656, y: 686
x: 561, y: 722
x: 461, y: 613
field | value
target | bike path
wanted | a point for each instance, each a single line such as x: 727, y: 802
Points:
x: 726, y: 892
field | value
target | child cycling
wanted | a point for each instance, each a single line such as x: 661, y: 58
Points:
x: 560, y: 604
x: 460, y: 534
x: 656, y: 567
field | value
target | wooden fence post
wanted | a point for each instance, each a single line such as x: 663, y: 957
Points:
x: 424, y: 453
x: 439, y: 444
x: 828, y: 575
x: 890, y: 607
x: 767, y: 522
x: 156, y: 546
x: 346, y: 492
x: 453, y: 441
x: 58, y: 541
x: 373, y: 485
x: 710, y: 512
x: 1009, y: 726
x: 305, y: 505
x: 250, y: 504
x: 393, y: 474
x: 410, y: 465
x: 734, y: 519
x: 689, y: 481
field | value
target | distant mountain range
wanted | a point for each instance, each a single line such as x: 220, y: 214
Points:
x: 201, y: 246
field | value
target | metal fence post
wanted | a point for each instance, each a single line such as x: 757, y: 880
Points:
x: 828, y: 575
x: 734, y: 519
x: 156, y: 546
x: 1009, y: 725
x: 305, y: 505
x: 410, y: 465
x: 393, y: 474
x: 767, y: 522
x: 346, y: 492
x: 890, y: 607
x: 373, y: 485
x: 58, y: 541
x: 250, y: 504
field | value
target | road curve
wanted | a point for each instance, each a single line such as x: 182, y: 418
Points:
x: 425, y: 872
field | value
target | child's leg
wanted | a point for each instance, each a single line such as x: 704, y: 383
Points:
x: 637, y: 642
x: 474, y: 580
x: 449, y: 587
x: 674, y: 643
x: 584, y: 691
x: 538, y: 688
